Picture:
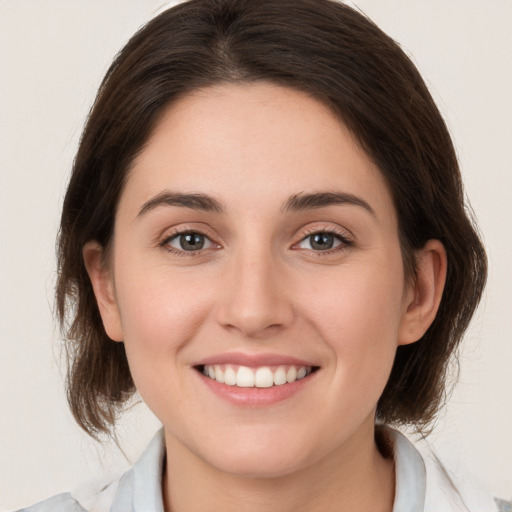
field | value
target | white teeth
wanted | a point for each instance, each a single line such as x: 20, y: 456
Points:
x: 219, y: 375
x: 230, y: 376
x: 262, y: 377
x: 291, y: 375
x: 280, y: 376
x: 244, y: 377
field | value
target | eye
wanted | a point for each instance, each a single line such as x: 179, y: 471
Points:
x: 190, y: 241
x: 322, y: 241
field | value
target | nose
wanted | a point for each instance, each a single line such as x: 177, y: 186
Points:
x: 254, y: 299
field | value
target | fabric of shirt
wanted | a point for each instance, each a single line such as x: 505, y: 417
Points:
x: 422, y: 485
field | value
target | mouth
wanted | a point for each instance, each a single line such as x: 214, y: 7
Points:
x: 240, y: 376
x: 255, y: 380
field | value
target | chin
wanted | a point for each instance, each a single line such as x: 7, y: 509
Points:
x: 263, y: 456
x: 259, y: 465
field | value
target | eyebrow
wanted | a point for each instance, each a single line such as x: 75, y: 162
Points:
x: 295, y: 203
x: 302, y: 201
x: 194, y: 201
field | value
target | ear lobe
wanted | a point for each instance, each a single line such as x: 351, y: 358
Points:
x: 425, y: 293
x: 103, y: 286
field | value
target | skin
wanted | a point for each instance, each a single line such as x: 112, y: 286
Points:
x: 260, y: 287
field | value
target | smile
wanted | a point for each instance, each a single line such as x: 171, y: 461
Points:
x: 260, y: 377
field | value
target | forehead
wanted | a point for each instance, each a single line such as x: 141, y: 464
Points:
x: 248, y: 142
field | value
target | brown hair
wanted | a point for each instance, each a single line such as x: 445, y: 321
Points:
x: 339, y: 57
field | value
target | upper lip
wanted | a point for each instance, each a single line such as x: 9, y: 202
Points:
x: 253, y: 360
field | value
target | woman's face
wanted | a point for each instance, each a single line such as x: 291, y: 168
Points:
x: 256, y: 242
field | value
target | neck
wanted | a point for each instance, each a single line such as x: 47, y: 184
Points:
x: 356, y: 477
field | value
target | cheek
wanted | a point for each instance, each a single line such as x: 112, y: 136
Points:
x: 358, y: 300
x: 160, y: 315
x: 358, y: 314
x: 160, y: 312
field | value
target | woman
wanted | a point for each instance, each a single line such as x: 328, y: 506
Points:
x: 264, y: 235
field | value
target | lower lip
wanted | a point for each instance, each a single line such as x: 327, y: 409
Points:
x: 253, y: 397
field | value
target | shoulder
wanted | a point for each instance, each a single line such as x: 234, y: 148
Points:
x: 451, y: 482
x: 95, y: 495
x: 114, y: 492
x: 60, y: 503
x: 503, y: 506
x: 437, y: 487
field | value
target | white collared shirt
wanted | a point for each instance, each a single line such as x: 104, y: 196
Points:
x: 422, y: 485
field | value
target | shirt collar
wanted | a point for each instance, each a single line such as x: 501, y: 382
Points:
x: 140, y: 489
x: 410, y: 474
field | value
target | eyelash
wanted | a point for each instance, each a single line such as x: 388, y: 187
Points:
x: 345, y: 244
x: 182, y: 253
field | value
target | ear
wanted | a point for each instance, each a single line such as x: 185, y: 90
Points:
x: 103, y: 286
x: 424, y: 294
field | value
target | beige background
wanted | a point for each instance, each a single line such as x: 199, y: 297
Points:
x: 53, y: 54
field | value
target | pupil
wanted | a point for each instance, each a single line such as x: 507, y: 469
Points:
x: 322, y: 241
x: 191, y: 242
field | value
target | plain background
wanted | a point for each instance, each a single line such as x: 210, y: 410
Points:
x: 53, y: 54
